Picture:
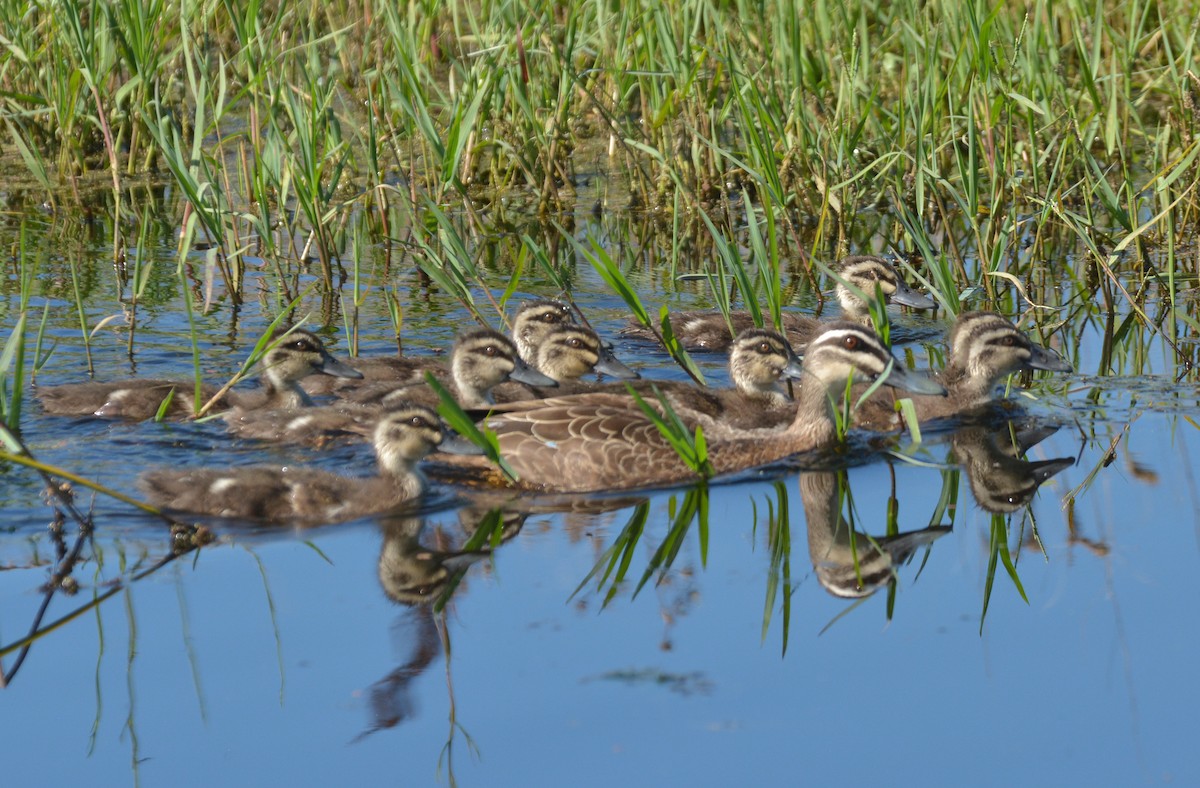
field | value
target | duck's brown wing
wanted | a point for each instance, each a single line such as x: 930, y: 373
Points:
x: 579, y: 447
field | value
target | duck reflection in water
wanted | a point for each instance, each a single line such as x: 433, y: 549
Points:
x: 849, y: 563
x: 422, y: 579
x: 1001, y: 481
x: 852, y: 564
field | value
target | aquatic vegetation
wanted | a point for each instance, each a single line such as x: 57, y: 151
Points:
x: 180, y: 178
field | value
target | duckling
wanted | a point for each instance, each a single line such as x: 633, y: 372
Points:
x: 707, y: 330
x: 568, y: 352
x: 984, y: 349
x: 534, y: 321
x: 760, y: 360
x: 602, y: 441
x: 479, y: 360
x: 858, y: 568
x: 292, y: 356
x: 401, y: 439
x: 565, y: 353
x: 530, y: 323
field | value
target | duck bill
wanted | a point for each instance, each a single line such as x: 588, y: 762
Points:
x: 1042, y: 470
x: 900, y: 378
x: 453, y: 443
x: 1047, y: 359
x: 523, y: 373
x: 906, y: 296
x: 613, y: 367
x: 793, y: 370
x: 331, y: 366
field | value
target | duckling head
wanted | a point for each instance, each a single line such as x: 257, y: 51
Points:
x: 864, y: 272
x: 1001, y: 480
x: 481, y: 360
x: 405, y: 435
x: 533, y: 323
x: 568, y: 352
x: 989, y: 348
x: 759, y: 358
x: 295, y: 354
x: 844, y: 350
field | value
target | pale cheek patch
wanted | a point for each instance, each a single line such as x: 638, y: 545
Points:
x: 299, y: 423
x: 220, y: 486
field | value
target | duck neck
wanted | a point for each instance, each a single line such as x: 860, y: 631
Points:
x: 283, y: 393
x: 814, y: 425
x: 473, y: 396
x: 968, y: 388
x: 853, y: 307
x: 772, y: 395
x: 399, y: 466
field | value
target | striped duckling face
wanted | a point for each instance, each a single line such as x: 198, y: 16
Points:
x: 534, y: 322
x: 568, y: 352
x: 405, y: 435
x: 297, y: 354
x: 989, y: 348
x: 759, y: 358
x: 844, y: 349
x: 865, y: 272
x: 483, y: 358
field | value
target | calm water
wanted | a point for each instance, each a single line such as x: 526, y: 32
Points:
x: 288, y: 656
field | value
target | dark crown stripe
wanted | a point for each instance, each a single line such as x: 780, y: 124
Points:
x: 862, y: 269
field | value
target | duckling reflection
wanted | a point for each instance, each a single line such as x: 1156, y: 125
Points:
x: 1000, y: 480
x: 419, y: 577
x: 833, y: 550
x: 411, y: 573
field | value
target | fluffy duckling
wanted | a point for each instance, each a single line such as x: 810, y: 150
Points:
x: 480, y: 360
x: 568, y: 352
x: 534, y: 321
x: 760, y: 360
x: 985, y: 348
x: 600, y: 441
x: 707, y: 330
x: 529, y: 326
x: 293, y: 355
x: 401, y: 439
x: 565, y: 354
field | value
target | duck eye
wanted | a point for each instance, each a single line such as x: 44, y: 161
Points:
x: 490, y: 350
x: 1009, y: 341
x: 575, y: 343
x: 299, y: 344
x: 764, y: 347
x: 851, y: 342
